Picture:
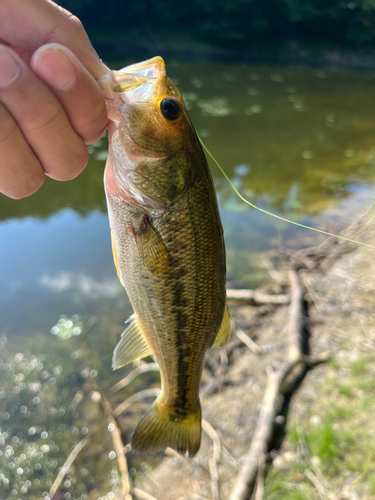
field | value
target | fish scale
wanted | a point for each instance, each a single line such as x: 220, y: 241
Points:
x: 168, y: 248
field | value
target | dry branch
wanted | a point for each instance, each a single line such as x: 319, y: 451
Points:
x: 142, y: 495
x: 318, y: 485
x: 314, y: 467
x: 193, y: 496
x: 254, y: 298
x: 87, y: 327
x: 119, y: 448
x: 214, y: 460
x: 262, y: 436
x: 260, y: 479
x: 69, y: 461
x: 146, y: 367
x: 146, y: 393
x: 248, y: 341
x: 264, y: 432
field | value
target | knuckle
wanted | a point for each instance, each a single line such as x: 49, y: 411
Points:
x: 7, y: 131
x: 75, y: 22
x: 71, y: 18
x: 95, y: 137
x: 27, y: 188
x: 43, y: 120
x: 82, y: 160
x: 92, y: 127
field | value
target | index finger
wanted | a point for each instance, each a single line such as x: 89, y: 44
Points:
x: 29, y: 24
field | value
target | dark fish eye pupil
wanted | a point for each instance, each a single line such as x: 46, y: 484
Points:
x: 170, y: 108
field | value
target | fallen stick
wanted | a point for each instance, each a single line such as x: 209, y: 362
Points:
x: 146, y: 367
x: 193, y: 496
x: 146, y: 393
x: 87, y: 327
x: 254, y: 298
x: 318, y: 485
x: 68, y: 462
x: 264, y: 432
x: 249, y: 343
x: 262, y: 436
x: 214, y: 460
x: 313, y: 466
x: 142, y: 495
x: 119, y: 448
x: 260, y: 479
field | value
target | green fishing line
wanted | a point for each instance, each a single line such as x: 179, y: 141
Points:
x: 274, y: 215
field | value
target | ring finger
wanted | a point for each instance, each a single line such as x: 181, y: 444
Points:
x: 20, y: 171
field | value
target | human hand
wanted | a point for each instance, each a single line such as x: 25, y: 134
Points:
x: 50, y: 103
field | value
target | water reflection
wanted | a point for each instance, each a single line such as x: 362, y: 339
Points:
x: 296, y: 141
x: 276, y: 124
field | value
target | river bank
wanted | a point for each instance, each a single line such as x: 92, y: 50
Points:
x: 323, y: 443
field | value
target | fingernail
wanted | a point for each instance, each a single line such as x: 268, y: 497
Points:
x: 9, y: 69
x: 56, y: 69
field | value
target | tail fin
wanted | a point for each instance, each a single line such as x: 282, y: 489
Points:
x: 161, y: 428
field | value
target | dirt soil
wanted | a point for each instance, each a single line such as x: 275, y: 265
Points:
x: 325, y: 440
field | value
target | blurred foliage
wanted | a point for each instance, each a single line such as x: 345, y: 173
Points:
x: 235, y: 23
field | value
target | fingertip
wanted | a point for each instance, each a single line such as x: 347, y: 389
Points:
x: 48, y: 47
x: 56, y: 66
x: 95, y: 138
x: 87, y: 62
x: 25, y: 189
x: 10, y: 68
x: 76, y: 162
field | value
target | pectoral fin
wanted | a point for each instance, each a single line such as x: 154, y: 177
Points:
x: 224, y: 332
x: 132, y: 345
x: 152, y: 249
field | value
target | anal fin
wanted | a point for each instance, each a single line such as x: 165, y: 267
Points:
x: 132, y: 345
x: 224, y: 332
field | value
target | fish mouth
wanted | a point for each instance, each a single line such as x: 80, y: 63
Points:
x: 134, y: 83
x: 139, y: 84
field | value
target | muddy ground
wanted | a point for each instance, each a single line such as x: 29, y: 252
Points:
x: 324, y: 434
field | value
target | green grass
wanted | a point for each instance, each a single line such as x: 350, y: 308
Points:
x: 359, y: 366
x: 324, y: 443
x: 346, y: 390
x: 290, y: 495
x: 339, y: 441
x: 372, y: 485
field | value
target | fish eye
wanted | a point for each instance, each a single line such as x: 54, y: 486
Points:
x: 170, y: 108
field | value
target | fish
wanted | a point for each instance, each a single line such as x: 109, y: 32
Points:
x: 168, y: 247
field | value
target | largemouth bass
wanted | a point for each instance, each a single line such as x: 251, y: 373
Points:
x: 168, y: 247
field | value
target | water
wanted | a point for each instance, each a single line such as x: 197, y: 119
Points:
x: 295, y: 141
